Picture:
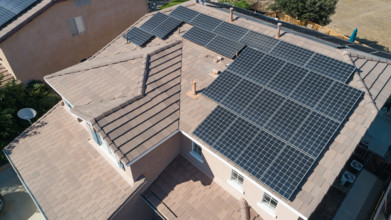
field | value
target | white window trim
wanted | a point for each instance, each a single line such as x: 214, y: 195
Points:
x: 235, y: 185
x: 194, y: 154
x: 267, y: 209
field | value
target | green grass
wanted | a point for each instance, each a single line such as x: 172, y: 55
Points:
x: 240, y: 3
x: 172, y: 3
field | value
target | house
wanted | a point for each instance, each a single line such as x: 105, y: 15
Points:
x: 41, y: 37
x: 155, y: 126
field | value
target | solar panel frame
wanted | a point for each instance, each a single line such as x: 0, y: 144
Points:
x: 137, y: 36
x: 223, y: 85
x: 199, y: 36
x: 184, y: 14
x: 11, y: 9
x: 287, y: 79
x: 206, y: 22
x: 246, y: 61
x: 166, y: 27
x: 224, y: 46
x: 292, y: 53
x: 259, y: 41
x: 265, y: 69
x: 230, y: 31
x: 153, y: 22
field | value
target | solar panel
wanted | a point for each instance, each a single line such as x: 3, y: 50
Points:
x: 221, y: 86
x: 184, y: 14
x: 230, y: 31
x: 199, y: 36
x: 287, y: 79
x: 138, y: 36
x: 292, y: 53
x: 339, y: 101
x: 166, y: 27
x: 314, y: 134
x: 205, y: 22
x: 240, y: 133
x: 266, y: 69
x: 224, y: 46
x: 153, y: 22
x: 287, y: 119
x: 239, y: 97
x: 245, y: 62
x: 311, y: 89
x: 287, y: 171
x: 331, y: 67
x: 214, y: 125
x: 9, y: 9
x: 259, y: 154
x: 259, y: 41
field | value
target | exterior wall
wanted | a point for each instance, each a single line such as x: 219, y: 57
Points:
x: 221, y: 172
x: 153, y: 163
x: 45, y: 45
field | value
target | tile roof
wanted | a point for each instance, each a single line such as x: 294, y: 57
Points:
x: 132, y: 128
x: 66, y: 175
x: 5, y: 75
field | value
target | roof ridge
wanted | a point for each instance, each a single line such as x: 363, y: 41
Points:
x: 370, y: 57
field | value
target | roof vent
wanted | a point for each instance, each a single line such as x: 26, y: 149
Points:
x: 231, y: 15
x: 347, y: 179
x: 278, y: 30
x: 356, y: 166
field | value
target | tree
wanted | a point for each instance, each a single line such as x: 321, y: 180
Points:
x: 317, y: 11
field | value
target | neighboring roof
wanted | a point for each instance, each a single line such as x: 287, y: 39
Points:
x: 135, y: 126
x: 169, y: 195
x: 23, y: 18
x: 66, y: 175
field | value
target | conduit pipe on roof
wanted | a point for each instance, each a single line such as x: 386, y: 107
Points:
x: 244, y: 210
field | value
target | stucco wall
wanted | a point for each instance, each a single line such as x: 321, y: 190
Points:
x: 45, y: 45
x: 221, y: 172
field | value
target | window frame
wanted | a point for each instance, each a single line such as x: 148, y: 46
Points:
x: 77, y: 26
x: 81, y: 3
x: 266, y: 204
x: 237, y: 178
x: 196, y: 152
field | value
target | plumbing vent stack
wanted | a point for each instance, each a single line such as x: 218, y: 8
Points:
x: 193, y: 87
x: 231, y: 15
x: 278, y: 30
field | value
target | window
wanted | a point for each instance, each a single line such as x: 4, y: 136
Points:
x: 80, y: 3
x: 237, y: 178
x: 269, y: 202
x: 196, y: 151
x: 67, y: 104
x: 76, y: 25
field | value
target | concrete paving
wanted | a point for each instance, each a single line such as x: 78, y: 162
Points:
x: 18, y: 203
x: 371, y: 17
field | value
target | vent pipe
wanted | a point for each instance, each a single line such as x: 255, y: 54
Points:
x: 278, y: 30
x: 193, y: 87
x: 231, y: 15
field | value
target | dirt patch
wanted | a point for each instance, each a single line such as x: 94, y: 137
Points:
x: 371, y: 17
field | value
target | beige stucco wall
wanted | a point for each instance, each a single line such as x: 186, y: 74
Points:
x: 221, y: 172
x: 45, y: 45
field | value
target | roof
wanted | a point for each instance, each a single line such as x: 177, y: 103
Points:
x: 136, y: 126
x: 57, y: 163
x: 5, y: 75
x: 24, y: 17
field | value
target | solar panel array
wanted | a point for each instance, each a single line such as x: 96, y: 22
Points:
x: 275, y: 118
x: 9, y: 9
x: 137, y: 36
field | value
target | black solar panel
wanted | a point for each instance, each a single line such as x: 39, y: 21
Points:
x: 314, y: 134
x: 153, y: 22
x: 224, y: 46
x: 137, y: 36
x: 287, y: 79
x: 9, y: 9
x: 184, y: 14
x: 331, y: 67
x: 166, y: 27
x: 339, y: 101
x: 230, y: 31
x: 287, y: 119
x: 199, y: 36
x: 239, y: 133
x: 311, y: 89
x: 221, y: 86
x: 292, y: 53
x: 205, y: 22
x: 241, y: 96
x: 266, y: 69
x: 246, y: 61
x: 259, y: 41
x: 287, y: 171
x: 214, y: 125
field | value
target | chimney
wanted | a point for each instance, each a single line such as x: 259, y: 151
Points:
x: 278, y: 30
x: 231, y: 15
x: 193, y: 87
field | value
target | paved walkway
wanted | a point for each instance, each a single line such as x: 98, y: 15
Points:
x: 18, y: 203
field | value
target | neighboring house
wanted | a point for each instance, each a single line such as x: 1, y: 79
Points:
x: 129, y: 129
x: 38, y: 37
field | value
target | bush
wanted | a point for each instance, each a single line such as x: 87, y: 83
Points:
x: 13, y: 97
x: 317, y: 11
x: 240, y: 4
